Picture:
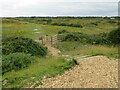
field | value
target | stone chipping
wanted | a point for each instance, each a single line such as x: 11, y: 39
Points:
x: 92, y: 72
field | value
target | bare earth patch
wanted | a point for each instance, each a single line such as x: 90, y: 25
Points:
x: 92, y: 72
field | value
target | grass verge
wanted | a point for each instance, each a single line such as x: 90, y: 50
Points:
x: 76, y: 48
x: 49, y: 67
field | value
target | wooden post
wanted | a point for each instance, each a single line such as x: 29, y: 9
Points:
x: 51, y: 40
x: 42, y: 40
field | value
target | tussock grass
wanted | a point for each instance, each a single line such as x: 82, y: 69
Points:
x: 96, y: 50
x: 76, y: 48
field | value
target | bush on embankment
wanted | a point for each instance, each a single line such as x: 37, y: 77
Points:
x: 114, y: 37
x: 62, y: 31
x: 21, y: 44
x: 76, y: 36
x: 111, y: 38
x: 16, y: 61
x: 69, y: 25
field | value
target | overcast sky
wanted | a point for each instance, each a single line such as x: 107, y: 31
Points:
x: 15, y: 8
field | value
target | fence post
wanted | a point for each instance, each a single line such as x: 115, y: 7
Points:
x: 42, y: 40
x: 51, y: 40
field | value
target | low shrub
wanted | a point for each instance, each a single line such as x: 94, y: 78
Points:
x: 76, y: 36
x: 111, y: 38
x: 62, y: 31
x: 84, y: 38
x: 70, y: 25
x: 112, y: 22
x: 98, y: 38
x: 94, y: 24
x: 21, y: 44
x: 114, y: 37
x: 16, y: 61
x: 75, y: 25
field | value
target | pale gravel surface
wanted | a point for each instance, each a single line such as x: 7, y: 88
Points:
x: 92, y: 72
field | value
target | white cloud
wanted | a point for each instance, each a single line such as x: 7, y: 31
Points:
x: 57, y: 7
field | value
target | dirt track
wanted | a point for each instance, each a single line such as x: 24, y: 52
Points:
x: 53, y: 51
x: 92, y: 72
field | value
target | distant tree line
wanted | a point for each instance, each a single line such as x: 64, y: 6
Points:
x: 64, y: 17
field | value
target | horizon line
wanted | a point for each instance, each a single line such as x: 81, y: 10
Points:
x: 61, y: 16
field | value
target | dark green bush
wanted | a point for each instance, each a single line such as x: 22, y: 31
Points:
x: 76, y: 36
x: 70, y: 25
x: 98, y: 38
x: 114, y: 37
x: 59, y: 24
x: 93, y: 23
x: 84, y: 38
x: 72, y: 37
x: 62, y: 31
x: 75, y: 25
x: 16, y: 61
x: 21, y: 44
x: 55, y: 24
x: 112, y: 22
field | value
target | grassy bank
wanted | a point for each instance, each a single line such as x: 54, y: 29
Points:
x: 49, y: 67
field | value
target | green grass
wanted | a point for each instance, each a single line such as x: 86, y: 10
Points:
x: 68, y: 46
x: 76, y: 48
x: 88, y: 28
x: 17, y: 27
x: 51, y: 30
x: 52, y: 66
x: 49, y: 66
x: 20, y: 28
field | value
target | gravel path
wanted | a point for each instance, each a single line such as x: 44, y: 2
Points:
x: 92, y: 72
